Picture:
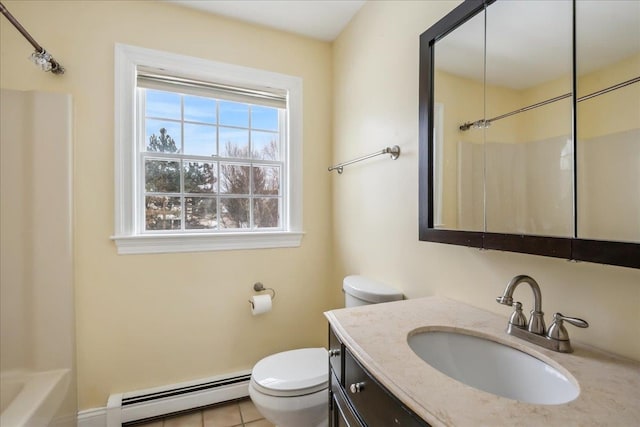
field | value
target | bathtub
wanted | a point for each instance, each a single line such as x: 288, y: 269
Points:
x: 31, y: 398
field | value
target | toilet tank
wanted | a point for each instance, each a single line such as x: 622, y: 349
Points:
x: 359, y: 290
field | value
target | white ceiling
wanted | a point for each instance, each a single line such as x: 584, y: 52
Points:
x: 318, y: 19
x: 531, y: 40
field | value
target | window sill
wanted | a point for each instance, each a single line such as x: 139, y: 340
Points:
x: 172, y: 243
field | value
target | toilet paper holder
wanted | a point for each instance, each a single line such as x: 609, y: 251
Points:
x: 259, y: 287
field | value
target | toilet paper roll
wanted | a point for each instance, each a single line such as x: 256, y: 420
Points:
x: 260, y: 304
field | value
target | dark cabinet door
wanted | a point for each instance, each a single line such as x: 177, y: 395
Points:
x: 375, y: 406
x: 341, y: 414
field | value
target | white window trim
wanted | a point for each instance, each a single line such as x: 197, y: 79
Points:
x: 128, y: 237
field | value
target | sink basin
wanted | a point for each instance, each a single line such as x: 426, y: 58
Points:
x: 493, y: 367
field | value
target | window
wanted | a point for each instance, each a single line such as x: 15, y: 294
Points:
x: 210, y: 159
x: 208, y: 155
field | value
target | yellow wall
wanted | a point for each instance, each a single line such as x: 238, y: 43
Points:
x: 149, y: 320
x: 615, y: 112
x: 551, y: 120
x: 612, y: 112
x: 375, y: 204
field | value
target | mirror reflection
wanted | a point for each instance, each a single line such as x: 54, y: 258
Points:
x: 509, y: 167
x: 528, y: 143
x: 608, y: 123
x: 459, y: 96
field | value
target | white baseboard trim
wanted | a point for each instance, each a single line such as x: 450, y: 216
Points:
x: 96, y: 417
x: 132, y: 406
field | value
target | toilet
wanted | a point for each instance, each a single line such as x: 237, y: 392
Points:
x: 290, y: 388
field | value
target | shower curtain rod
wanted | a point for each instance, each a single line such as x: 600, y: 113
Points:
x: 41, y: 57
x: 486, y: 123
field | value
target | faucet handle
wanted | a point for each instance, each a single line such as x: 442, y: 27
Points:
x: 557, y: 330
x: 517, y: 318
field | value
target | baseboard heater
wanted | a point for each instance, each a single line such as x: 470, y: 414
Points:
x: 161, y: 401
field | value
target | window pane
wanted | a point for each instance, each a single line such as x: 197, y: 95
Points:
x: 264, y: 118
x: 234, y: 213
x: 199, y: 140
x: 199, y: 109
x: 234, y: 179
x: 162, y: 213
x: 264, y: 145
x: 162, y: 136
x: 164, y: 105
x: 234, y: 142
x: 266, y: 180
x: 200, y: 177
x: 162, y: 176
x: 200, y: 213
x: 266, y: 212
x: 234, y: 114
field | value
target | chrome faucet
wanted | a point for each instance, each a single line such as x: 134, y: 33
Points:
x: 536, y: 321
x: 556, y: 338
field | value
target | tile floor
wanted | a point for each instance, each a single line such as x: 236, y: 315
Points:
x: 240, y: 413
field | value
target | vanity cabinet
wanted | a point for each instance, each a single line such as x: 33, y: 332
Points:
x: 357, y: 399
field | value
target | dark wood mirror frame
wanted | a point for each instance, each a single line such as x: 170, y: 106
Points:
x: 598, y: 251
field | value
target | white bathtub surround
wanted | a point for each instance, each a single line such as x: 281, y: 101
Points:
x: 377, y: 336
x: 32, y: 398
x: 37, y: 347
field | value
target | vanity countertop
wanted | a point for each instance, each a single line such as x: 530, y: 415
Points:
x: 377, y: 337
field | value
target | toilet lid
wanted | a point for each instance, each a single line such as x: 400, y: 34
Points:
x: 292, y: 373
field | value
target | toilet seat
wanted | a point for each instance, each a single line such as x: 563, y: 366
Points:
x: 292, y: 373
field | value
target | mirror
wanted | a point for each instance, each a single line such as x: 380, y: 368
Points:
x: 608, y: 125
x: 497, y: 126
x: 459, y: 161
x: 528, y: 141
x: 511, y: 172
